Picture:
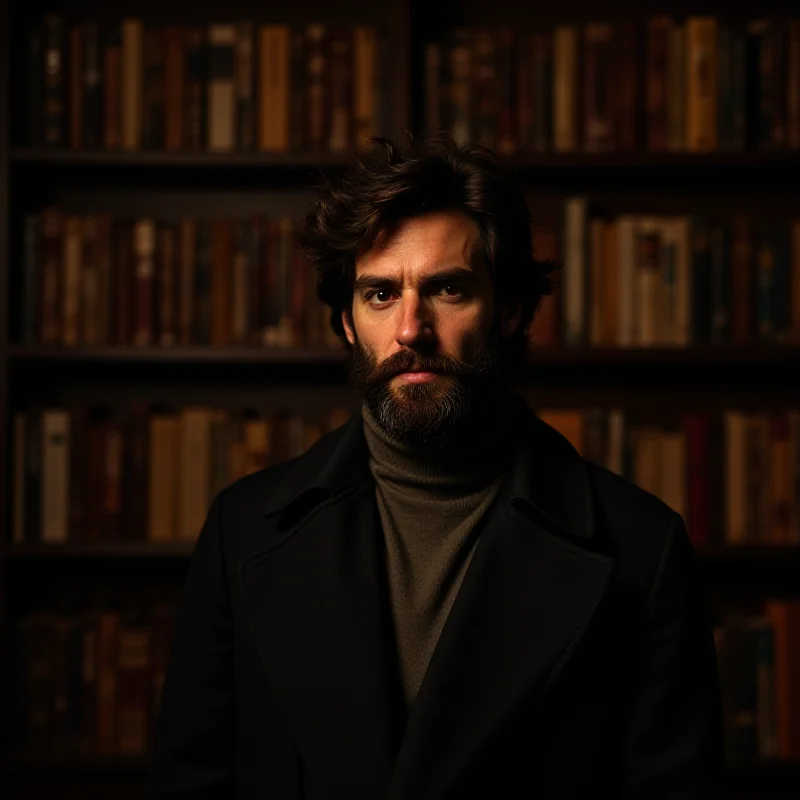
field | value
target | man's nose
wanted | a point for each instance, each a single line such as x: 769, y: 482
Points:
x: 415, y: 326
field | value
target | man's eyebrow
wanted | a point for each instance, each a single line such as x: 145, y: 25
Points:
x: 455, y: 274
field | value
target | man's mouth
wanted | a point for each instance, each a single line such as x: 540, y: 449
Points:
x: 417, y: 376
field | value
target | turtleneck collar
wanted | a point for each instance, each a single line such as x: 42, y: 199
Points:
x: 467, y: 465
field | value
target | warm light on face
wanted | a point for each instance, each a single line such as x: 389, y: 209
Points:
x: 424, y: 349
x: 420, y: 288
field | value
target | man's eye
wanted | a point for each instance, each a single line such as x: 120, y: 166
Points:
x: 382, y: 295
x: 452, y: 290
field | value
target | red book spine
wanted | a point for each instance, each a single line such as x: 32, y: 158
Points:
x: 697, y: 445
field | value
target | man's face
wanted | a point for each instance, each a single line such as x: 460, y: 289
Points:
x: 422, y: 329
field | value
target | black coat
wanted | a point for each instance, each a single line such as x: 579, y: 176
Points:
x: 577, y: 661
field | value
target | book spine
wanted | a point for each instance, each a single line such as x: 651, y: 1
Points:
x: 55, y: 101
x: 460, y: 117
x: 131, y: 84
x: 364, y: 77
x: 245, y: 86
x: 71, y: 298
x: 92, y: 89
x: 484, y: 108
x: 317, y: 94
x: 565, y: 88
x: 658, y: 40
x: 55, y: 476
x: 174, y: 86
x: 340, y: 89
x: 34, y: 93
x: 144, y: 271
x: 195, y: 125
x: 153, y: 85
x: 221, y: 88
x: 188, y: 240
x: 112, y: 91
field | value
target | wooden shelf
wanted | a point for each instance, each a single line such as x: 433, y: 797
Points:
x: 776, y: 771
x: 749, y: 355
x: 645, y: 356
x: 773, y: 775
x: 752, y: 555
x: 175, y: 355
x: 38, y: 157
x: 773, y: 767
x: 568, y: 172
x: 767, y: 555
x: 42, y: 157
x: 102, y: 550
x: 73, y: 763
x: 658, y: 161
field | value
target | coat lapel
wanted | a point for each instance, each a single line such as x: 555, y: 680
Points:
x: 319, y: 611
x: 528, y: 596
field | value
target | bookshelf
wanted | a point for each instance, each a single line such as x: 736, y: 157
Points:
x: 654, y: 381
x: 174, y: 355
x: 633, y: 356
x: 102, y: 550
x: 33, y: 159
x: 750, y: 557
x: 37, y: 158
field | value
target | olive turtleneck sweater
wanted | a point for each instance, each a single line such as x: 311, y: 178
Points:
x: 430, y: 508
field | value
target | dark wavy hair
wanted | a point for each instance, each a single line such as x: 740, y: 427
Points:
x: 390, y: 183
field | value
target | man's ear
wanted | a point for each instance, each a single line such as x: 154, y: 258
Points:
x: 347, y: 323
x: 510, y: 317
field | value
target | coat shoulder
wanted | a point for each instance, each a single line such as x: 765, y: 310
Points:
x: 637, y: 527
x: 251, y: 492
x: 625, y: 504
x: 242, y: 504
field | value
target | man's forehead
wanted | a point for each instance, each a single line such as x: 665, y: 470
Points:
x: 424, y: 243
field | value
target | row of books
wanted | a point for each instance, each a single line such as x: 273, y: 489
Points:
x: 698, y: 84
x: 224, y: 87
x: 670, y: 280
x: 759, y: 666
x: 89, y: 682
x: 145, y: 474
x: 631, y: 280
x: 734, y: 475
x: 150, y: 474
x: 96, y: 279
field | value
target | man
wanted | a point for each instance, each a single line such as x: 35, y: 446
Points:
x: 441, y: 599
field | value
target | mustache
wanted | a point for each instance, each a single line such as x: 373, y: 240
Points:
x: 411, y: 361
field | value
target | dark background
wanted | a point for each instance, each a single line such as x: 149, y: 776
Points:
x: 654, y: 385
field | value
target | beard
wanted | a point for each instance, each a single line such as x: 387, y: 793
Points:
x: 435, y: 414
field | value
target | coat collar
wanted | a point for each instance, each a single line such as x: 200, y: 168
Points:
x: 547, y: 476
